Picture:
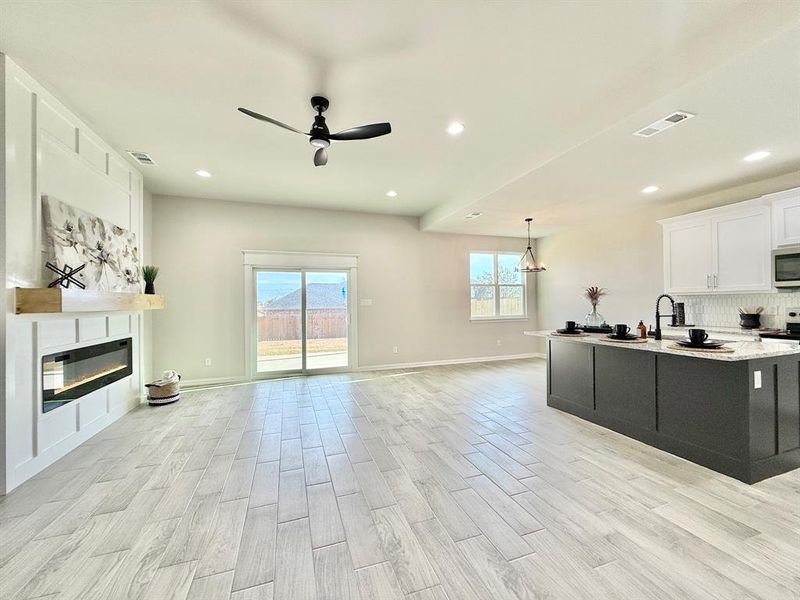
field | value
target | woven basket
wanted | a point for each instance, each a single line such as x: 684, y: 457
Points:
x: 163, y: 394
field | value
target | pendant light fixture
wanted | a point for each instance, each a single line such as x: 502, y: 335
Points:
x: 528, y: 264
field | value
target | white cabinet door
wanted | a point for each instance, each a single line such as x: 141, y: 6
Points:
x: 687, y: 257
x: 785, y: 217
x: 741, y: 251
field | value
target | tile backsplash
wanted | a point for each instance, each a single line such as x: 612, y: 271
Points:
x: 722, y: 310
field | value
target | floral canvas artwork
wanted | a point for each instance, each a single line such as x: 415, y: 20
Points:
x: 74, y: 237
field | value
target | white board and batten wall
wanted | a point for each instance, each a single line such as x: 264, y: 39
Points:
x: 50, y: 151
x: 728, y: 250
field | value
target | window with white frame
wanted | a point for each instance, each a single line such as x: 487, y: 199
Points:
x: 497, y: 289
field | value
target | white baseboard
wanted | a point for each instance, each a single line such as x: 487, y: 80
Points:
x: 209, y: 381
x: 213, y: 381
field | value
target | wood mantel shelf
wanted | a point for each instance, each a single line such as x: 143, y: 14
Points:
x: 61, y: 300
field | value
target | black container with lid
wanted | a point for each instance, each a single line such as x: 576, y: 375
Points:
x: 680, y: 315
x: 750, y: 320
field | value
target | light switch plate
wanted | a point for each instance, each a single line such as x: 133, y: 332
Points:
x: 757, y: 380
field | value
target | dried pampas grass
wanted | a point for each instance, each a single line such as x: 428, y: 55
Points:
x: 594, y: 293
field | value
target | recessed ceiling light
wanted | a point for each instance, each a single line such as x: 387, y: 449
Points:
x: 455, y: 128
x: 757, y: 156
x: 202, y: 173
x: 391, y: 194
x: 650, y: 189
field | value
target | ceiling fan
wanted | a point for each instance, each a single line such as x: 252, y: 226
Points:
x: 319, y: 136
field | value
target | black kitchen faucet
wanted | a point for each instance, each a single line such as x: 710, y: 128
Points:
x: 659, y: 315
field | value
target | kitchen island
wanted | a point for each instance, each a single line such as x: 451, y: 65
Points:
x: 737, y: 413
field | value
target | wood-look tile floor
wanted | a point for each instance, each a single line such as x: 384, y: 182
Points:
x: 451, y: 483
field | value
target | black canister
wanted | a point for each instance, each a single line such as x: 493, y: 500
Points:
x: 750, y: 320
x: 680, y: 315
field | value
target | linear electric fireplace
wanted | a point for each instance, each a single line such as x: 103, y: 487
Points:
x: 66, y: 376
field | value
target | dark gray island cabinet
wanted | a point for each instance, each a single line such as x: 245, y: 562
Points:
x: 738, y: 413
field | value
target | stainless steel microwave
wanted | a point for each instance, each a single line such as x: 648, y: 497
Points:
x: 786, y: 267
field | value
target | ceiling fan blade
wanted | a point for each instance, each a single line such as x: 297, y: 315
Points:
x: 255, y: 115
x: 320, y: 157
x: 364, y: 132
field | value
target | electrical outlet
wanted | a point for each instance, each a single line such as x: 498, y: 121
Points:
x: 499, y: 343
x: 757, y: 380
x: 207, y: 362
x: 394, y: 349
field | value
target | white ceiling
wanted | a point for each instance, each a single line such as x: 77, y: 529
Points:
x: 550, y: 93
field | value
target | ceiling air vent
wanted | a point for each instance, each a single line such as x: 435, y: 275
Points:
x: 663, y: 124
x: 143, y: 158
x: 474, y: 215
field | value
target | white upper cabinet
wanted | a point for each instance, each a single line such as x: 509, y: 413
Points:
x: 740, y: 250
x: 687, y: 257
x: 720, y: 251
x: 785, y: 217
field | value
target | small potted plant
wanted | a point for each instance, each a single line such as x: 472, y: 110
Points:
x: 149, y: 273
x: 593, y: 295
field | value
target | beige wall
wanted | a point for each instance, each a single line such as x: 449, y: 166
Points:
x: 418, y: 283
x: 624, y: 254
x: 147, y: 259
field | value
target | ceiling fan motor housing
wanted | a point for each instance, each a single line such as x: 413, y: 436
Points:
x: 319, y: 135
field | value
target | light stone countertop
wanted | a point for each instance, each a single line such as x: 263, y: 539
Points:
x: 742, y: 350
x: 734, y: 334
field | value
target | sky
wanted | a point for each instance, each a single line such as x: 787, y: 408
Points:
x: 484, y: 264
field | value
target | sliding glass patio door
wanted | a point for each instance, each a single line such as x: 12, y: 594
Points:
x: 302, y: 321
x: 326, y: 320
x: 279, y: 321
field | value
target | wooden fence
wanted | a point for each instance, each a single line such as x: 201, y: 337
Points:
x: 285, y: 324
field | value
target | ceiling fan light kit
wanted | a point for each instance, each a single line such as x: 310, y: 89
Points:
x: 319, y: 136
x: 528, y: 264
x: 320, y: 157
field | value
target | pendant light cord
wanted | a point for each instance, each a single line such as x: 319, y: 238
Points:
x: 529, y: 235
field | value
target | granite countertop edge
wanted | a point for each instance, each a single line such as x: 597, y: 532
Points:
x: 753, y: 350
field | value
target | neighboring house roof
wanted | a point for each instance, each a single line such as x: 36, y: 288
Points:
x: 318, y: 295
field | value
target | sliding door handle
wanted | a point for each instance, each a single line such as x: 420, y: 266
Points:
x: 715, y: 281
x: 708, y: 281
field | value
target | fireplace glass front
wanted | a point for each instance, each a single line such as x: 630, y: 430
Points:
x: 66, y: 376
